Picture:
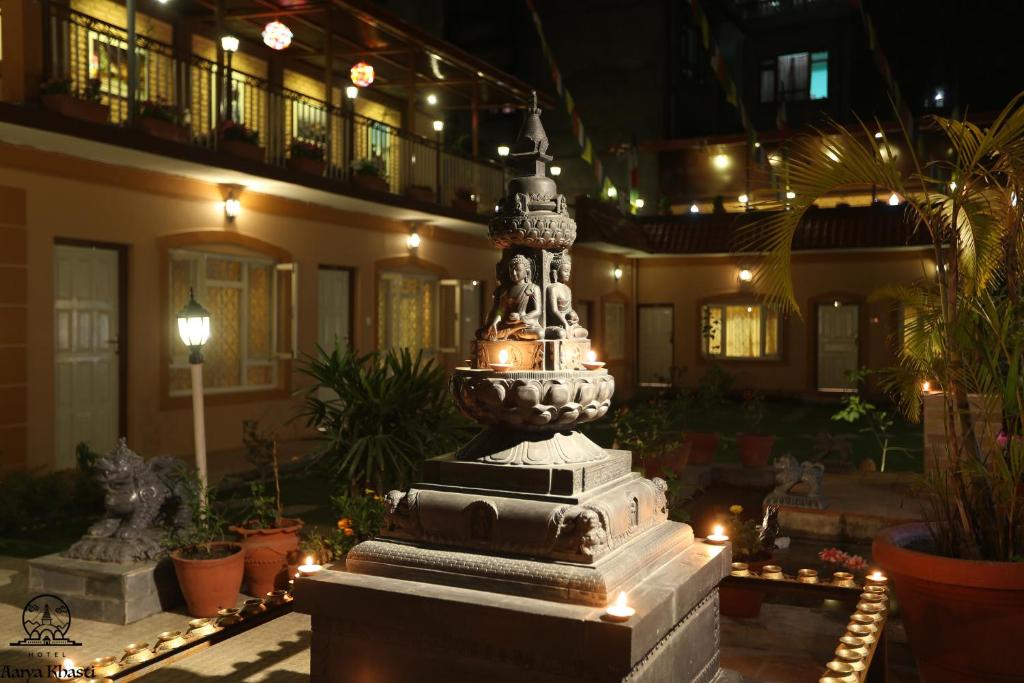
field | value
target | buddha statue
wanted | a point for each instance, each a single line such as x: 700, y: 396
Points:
x: 515, y: 313
x: 566, y: 322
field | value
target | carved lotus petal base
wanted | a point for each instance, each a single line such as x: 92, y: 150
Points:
x: 547, y: 401
x: 540, y: 231
x: 504, y: 447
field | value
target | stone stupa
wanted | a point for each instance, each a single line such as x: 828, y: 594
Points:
x: 500, y: 563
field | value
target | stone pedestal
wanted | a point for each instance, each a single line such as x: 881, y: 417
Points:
x: 106, y: 591
x: 381, y: 629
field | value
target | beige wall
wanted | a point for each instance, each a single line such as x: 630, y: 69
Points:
x: 851, y: 277
x: 69, y: 198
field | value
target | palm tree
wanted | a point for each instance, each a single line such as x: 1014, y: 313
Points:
x: 965, y: 322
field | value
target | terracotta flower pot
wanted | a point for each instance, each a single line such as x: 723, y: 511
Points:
x: 69, y: 105
x: 209, y: 585
x: 702, y: 446
x: 266, y: 555
x: 755, y: 449
x: 165, y: 130
x: 674, y: 460
x: 306, y: 165
x: 245, y: 150
x: 963, y: 618
x: 739, y: 602
x: 370, y: 182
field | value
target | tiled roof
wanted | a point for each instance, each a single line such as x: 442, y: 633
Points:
x: 863, y: 227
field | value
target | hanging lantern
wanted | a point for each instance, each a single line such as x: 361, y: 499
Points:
x: 361, y: 74
x: 277, y: 36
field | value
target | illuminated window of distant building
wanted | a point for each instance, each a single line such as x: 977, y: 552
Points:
x: 740, y: 330
x: 240, y: 291
x: 407, y: 312
x: 795, y: 76
x: 819, y: 76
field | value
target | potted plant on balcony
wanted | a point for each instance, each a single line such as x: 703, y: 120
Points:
x: 239, y: 140
x: 958, y: 576
x: 208, y: 566
x: 162, y: 120
x: 268, y: 537
x: 421, y: 193
x: 57, y: 96
x: 755, y: 448
x: 366, y: 173
x: 466, y: 200
x: 306, y: 157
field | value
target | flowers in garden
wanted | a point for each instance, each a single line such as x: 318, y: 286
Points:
x: 345, y: 526
x: 736, y: 509
x: 839, y: 558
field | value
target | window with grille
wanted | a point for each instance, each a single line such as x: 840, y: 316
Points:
x: 796, y: 76
x: 241, y: 294
x: 407, y: 312
x: 740, y: 330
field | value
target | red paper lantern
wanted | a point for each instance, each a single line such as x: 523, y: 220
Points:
x: 277, y: 36
x: 361, y: 74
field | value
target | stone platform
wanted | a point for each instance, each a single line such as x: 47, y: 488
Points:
x: 388, y: 630
x: 106, y: 591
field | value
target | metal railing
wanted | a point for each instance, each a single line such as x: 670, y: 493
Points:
x: 89, y: 58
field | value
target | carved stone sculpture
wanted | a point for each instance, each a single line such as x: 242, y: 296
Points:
x: 789, y: 474
x: 143, y: 498
x: 516, y: 310
x: 563, y: 321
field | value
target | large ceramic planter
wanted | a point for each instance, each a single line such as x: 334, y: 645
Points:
x: 69, y: 105
x: 266, y: 555
x: 160, y: 128
x: 755, y: 449
x: 674, y: 460
x: 209, y: 585
x: 244, y: 150
x: 306, y: 165
x: 370, y: 182
x: 702, y: 446
x: 964, y: 618
x: 744, y: 603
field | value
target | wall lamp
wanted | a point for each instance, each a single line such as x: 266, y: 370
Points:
x: 617, y: 272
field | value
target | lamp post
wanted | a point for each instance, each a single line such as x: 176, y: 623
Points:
x: 229, y: 44
x: 194, y: 330
x: 439, y: 130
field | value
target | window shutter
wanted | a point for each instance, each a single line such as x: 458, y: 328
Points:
x: 287, y: 293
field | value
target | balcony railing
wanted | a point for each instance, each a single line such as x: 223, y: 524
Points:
x: 89, y: 58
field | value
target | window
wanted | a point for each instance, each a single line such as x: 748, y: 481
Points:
x: 407, y: 312
x: 240, y: 292
x: 796, y: 76
x: 740, y: 330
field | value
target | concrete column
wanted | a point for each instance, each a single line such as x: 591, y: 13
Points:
x: 13, y: 326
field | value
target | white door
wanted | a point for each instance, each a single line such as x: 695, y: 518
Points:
x: 333, y: 308
x: 837, y: 345
x: 86, y: 320
x: 655, y: 341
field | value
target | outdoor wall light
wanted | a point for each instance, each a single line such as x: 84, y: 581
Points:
x: 503, y: 150
x: 894, y: 199
x: 790, y: 194
x: 746, y: 275
x: 952, y: 186
x: 194, y: 331
x: 414, y: 240
x: 744, y: 199
x: 721, y: 161
x: 617, y: 272
x: 351, y: 92
x: 879, y: 135
x: 757, y: 145
x: 612, y: 192
x: 639, y: 203
x: 232, y: 206
x: 229, y: 43
x: 431, y: 99
x: 556, y: 171
x: 694, y: 208
x: 438, y: 126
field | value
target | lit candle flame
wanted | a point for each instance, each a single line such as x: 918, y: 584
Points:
x: 591, y: 356
x: 926, y: 386
x: 621, y: 601
x: 309, y: 559
x: 503, y: 356
x: 718, y: 530
x: 877, y: 576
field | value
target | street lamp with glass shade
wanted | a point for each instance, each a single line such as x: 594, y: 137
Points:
x: 503, y: 151
x: 194, y: 330
x: 351, y: 92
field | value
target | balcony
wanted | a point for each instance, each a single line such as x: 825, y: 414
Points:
x: 187, y: 101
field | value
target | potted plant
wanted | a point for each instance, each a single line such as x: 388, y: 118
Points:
x: 239, y: 140
x: 877, y: 422
x: 367, y: 174
x: 711, y: 391
x: 56, y: 95
x: 306, y: 157
x: 646, y: 429
x: 756, y: 549
x: 958, y: 575
x: 755, y: 448
x: 162, y: 120
x: 268, y: 537
x: 466, y: 200
x: 209, y: 567
x: 421, y: 193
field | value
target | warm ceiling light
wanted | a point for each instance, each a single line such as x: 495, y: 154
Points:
x: 831, y: 154
x: 277, y: 36
x: 790, y: 194
x: 743, y: 199
x: 952, y: 186
x: 878, y: 135
x: 438, y: 126
x: 612, y: 192
x: 351, y: 92
x: 414, y: 240
x: 694, y: 208
x: 556, y: 171
x: 894, y: 199
x: 229, y: 43
x: 361, y: 74
x: 774, y: 159
x: 746, y: 275
x: 757, y: 145
x: 503, y: 150
x: 721, y: 161
x: 431, y: 99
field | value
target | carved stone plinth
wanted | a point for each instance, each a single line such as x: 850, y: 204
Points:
x: 549, y: 354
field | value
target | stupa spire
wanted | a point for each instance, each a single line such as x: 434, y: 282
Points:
x: 529, y: 154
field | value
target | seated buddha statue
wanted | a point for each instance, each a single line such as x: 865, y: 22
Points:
x: 515, y: 313
x: 559, y: 302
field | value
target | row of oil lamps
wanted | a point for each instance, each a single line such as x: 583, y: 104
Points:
x: 866, y: 628
x: 101, y: 668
